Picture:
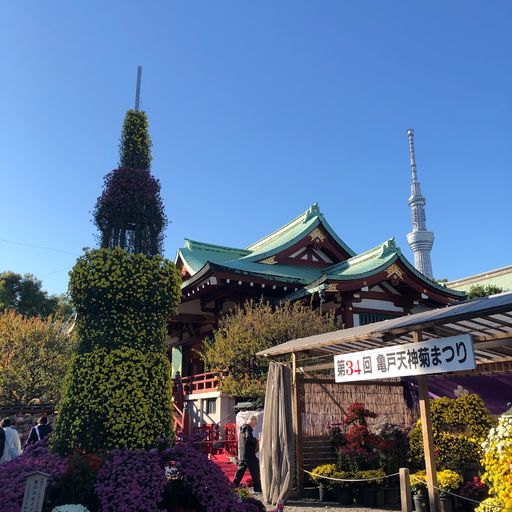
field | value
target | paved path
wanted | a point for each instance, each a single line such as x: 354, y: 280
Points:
x: 310, y: 505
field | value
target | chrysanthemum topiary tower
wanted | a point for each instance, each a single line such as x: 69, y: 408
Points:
x: 118, y: 390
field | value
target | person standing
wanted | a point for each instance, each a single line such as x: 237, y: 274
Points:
x: 40, y: 431
x: 2, y: 442
x: 12, y: 448
x: 247, y: 448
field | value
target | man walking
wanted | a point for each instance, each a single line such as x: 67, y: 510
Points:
x: 41, y: 430
x: 247, y: 448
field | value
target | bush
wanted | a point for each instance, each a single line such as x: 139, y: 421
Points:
x: 459, y: 426
x: 115, y: 399
x: 419, y: 482
x: 123, y: 299
x: 130, y: 480
x: 448, y: 480
x: 14, y: 473
x: 497, y: 460
x: 205, y: 481
x: 77, y: 482
x: 321, y: 471
x: 117, y: 393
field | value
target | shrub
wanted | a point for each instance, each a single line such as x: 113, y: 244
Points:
x: 117, y: 393
x: 374, y: 476
x: 474, y: 489
x: 321, y: 471
x: 130, y: 480
x: 114, y: 399
x: 497, y: 460
x: 419, y: 482
x: 206, y: 481
x: 340, y: 475
x: 448, y: 480
x: 13, y: 474
x: 459, y: 426
x: 123, y: 299
x: 77, y: 482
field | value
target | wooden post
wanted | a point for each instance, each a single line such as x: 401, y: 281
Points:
x: 297, y: 425
x: 428, y: 438
x: 405, y: 490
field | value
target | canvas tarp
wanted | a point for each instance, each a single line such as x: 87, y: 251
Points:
x: 276, y: 455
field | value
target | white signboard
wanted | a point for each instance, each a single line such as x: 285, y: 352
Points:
x: 434, y: 356
x: 34, y: 492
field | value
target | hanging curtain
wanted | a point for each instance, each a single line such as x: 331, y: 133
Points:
x: 277, y: 454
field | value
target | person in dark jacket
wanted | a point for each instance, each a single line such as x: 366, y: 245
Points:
x: 247, y: 448
x: 2, y: 441
x: 41, y: 430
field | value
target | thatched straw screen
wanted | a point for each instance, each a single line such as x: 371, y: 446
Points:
x: 324, y: 402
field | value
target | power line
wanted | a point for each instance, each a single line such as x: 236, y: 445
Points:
x: 38, y: 247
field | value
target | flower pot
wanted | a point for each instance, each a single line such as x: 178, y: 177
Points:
x: 392, y: 495
x: 447, y: 504
x: 344, y: 496
x: 323, y: 493
x: 420, y: 503
x: 380, y: 497
x: 367, y: 496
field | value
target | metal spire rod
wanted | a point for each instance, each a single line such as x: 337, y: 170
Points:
x: 137, y: 92
x: 410, y: 135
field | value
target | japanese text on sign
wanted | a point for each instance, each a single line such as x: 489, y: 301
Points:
x: 434, y: 356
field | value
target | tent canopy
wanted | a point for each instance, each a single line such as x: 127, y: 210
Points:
x: 488, y: 320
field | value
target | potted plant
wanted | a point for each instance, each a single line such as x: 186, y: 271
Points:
x: 318, y: 475
x: 448, y: 481
x: 419, y: 491
x: 371, y: 493
x: 474, y: 491
x: 342, y: 490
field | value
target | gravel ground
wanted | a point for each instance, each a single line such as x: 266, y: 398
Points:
x: 311, y: 505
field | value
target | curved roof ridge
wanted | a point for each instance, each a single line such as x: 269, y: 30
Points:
x: 309, y: 214
x: 194, y: 244
x: 382, y: 250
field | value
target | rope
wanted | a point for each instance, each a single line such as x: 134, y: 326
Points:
x: 412, y: 477
x: 351, y: 479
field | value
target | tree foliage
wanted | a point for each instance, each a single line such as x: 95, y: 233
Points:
x: 480, y: 290
x: 130, y: 213
x: 117, y: 392
x: 34, y: 354
x: 253, y: 327
x: 24, y: 294
x: 135, y: 144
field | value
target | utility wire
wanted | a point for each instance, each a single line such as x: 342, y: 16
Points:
x: 38, y: 247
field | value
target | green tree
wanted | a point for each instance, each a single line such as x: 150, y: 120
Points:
x: 24, y: 294
x: 480, y: 290
x: 135, y: 144
x: 34, y: 354
x: 253, y: 327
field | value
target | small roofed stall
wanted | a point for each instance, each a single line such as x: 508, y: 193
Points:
x: 488, y: 321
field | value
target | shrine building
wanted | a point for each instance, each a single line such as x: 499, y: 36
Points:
x: 305, y: 260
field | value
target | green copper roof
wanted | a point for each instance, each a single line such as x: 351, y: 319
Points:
x: 366, y: 263
x: 198, y: 256
x: 501, y: 277
x: 292, y: 232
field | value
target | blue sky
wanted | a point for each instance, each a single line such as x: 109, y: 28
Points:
x: 258, y: 109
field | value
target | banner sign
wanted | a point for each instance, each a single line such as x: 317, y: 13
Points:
x: 434, y: 356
